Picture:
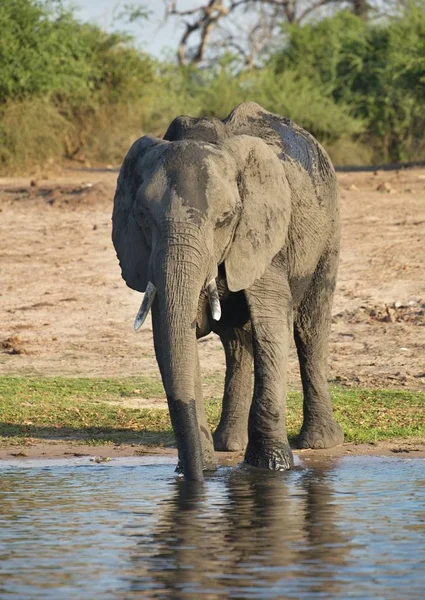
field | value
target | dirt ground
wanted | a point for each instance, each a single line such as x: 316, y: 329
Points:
x: 64, y: 309
x: 54, y: 450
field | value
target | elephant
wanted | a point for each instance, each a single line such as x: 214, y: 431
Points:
x: 233, y: 226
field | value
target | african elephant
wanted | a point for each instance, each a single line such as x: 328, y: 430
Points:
x: 233, y: 226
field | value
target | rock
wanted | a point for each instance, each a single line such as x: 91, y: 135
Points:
x: 391, y: 314
x: 386, y: 188
x: 12, y: 345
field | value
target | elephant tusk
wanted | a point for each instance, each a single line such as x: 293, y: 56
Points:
x: 214, y: 300
x: 147, y: 301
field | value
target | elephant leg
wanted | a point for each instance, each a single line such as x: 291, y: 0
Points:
x: 311, y: 332
x: 270, y: 307
x: 231, y: 434
x: 208, y: 458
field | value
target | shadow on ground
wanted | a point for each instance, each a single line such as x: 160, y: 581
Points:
x: 81, y: 434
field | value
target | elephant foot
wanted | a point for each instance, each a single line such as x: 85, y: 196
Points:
x: 229, y: 441
x: 208, y: 463
x: 320, y: 434
x: 276, y: 457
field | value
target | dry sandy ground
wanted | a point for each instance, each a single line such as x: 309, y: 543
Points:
x: 64, y: 309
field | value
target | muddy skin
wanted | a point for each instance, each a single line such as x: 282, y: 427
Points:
x: 253, y: 203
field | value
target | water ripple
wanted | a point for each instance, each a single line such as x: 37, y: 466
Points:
x: 353, y: 528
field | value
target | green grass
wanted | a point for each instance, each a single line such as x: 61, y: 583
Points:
x: 94, y: 411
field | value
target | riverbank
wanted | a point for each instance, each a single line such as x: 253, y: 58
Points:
x: 56, y: 416
x: 60, y: 449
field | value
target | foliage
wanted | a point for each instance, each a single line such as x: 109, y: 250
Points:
x: 38, y: 51
x: 80, y: 75
x: 31, y: 131
x: 377, y: 70
x: 303, y: 99
x: 71, y: 90
x: 210, y: 27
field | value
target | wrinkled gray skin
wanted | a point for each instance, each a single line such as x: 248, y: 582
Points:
x: 252, y: 201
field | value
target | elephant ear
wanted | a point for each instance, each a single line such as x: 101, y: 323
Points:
x: 266, y: 206
x: 130, y: 244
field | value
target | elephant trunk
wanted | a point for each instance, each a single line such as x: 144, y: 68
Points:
x: 179, y: 278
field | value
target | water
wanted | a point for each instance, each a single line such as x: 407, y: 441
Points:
x: 350, y: 528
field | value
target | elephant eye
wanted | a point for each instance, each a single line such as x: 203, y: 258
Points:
x: 144, y: 216
x: 225, y: 218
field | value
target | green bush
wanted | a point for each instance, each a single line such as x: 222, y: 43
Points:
x: 377, y: 70
x: 71, y: 90
x: 31, y: 132
x: 66, y: 89
x: 41, y: 50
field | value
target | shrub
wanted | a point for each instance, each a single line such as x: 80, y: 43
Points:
x: 70, y: 90
x: 375, y: 69
x: 32, y: 131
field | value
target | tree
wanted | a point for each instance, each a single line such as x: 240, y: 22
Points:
x: 360, y: 7
x: 249, y: 27
x: 45, y: 50
x: 214, y: 25
x: 375, y: 68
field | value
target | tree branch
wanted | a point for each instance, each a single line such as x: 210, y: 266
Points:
x: 208, y: 16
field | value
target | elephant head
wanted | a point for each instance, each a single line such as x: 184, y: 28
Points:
x: 181, y: 209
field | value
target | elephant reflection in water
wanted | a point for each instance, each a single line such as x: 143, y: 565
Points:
x: 262, y: 532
